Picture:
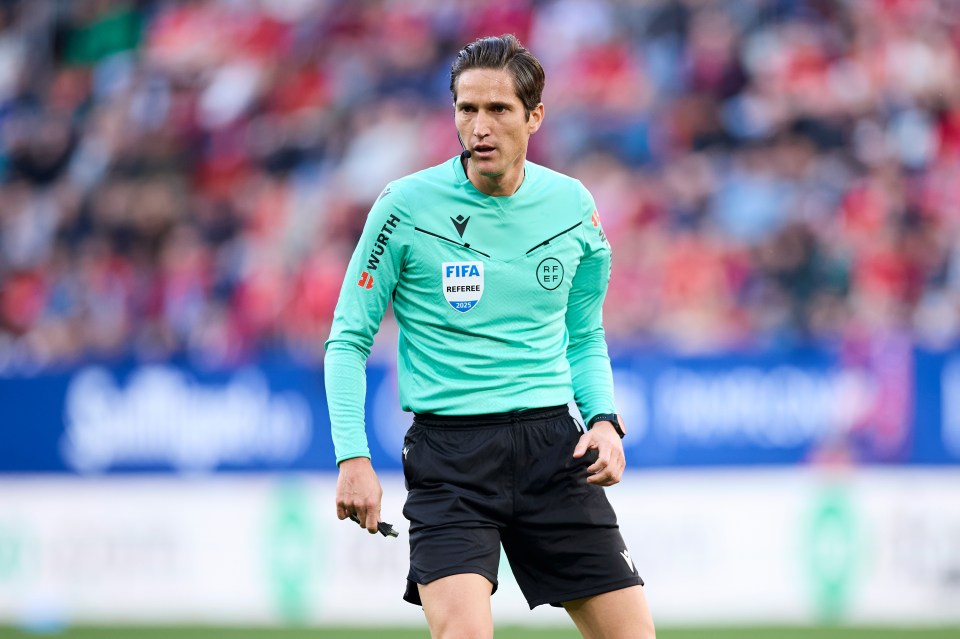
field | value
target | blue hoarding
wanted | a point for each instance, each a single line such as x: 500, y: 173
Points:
x: 886, y: 404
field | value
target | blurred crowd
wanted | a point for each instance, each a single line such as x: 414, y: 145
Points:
x: 189, y: 178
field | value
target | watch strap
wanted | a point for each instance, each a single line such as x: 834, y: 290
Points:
x: 607, y: 417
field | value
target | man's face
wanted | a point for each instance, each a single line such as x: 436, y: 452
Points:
x: 493, y: 124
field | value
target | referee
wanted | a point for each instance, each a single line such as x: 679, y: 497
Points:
x: 497, y: 269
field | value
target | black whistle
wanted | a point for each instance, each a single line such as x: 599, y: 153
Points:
x: 383, y: 527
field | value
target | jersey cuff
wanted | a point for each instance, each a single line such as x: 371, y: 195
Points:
x: 351, y: 455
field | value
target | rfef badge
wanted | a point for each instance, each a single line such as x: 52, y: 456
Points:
x: 462, y: 284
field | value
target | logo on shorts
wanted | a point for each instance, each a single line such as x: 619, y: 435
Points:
x: 626, y: 557
x: 550, y: 273
x: 462, y: 284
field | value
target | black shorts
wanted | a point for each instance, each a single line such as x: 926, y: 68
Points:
x: 476, y: 482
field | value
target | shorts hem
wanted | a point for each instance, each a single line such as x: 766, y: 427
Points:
x: 412, y: 593
x: 557, y: 601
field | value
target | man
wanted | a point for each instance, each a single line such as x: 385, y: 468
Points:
x: 497, y: 269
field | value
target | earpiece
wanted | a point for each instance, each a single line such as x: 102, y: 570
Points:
x: 466, y: 153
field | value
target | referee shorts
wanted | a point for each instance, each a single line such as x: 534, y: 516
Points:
x: 476, y: 482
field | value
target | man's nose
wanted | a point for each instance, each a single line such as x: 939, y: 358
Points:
x: 481, y: 125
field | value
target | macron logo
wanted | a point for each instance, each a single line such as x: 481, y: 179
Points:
x: 461, y: 223
x: 626, y: 557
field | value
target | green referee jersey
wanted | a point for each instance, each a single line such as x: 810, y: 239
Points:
x: 497, y: 299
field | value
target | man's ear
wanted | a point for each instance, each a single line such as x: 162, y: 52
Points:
x: 535, y: 119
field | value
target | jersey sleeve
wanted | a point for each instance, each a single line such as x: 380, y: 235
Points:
x: 368, y: 285
x: 587, y: 347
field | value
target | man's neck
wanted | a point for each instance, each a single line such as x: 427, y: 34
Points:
x: 495, y: 185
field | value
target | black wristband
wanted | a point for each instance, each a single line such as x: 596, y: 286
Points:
x: 607, y: 417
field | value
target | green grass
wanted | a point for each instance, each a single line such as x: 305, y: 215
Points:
x: 175, y: 632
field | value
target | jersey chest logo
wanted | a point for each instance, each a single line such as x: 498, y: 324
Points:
x: 462, y: 284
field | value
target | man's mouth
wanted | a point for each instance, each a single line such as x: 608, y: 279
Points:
x: 483, y: 150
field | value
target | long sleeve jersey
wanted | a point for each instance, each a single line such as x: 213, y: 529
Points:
x: 497, y: 299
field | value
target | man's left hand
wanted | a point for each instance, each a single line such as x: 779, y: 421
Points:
x: 608, y: 469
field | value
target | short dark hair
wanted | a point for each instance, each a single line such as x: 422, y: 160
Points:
x: 503, y: 52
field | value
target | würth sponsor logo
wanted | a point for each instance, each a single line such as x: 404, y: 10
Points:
x: 366, y: 280
x: 380, y: 245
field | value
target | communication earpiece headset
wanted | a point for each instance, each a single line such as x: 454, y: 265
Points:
x: 466, y: 153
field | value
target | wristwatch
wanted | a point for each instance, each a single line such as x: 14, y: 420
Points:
x: 613, y: 418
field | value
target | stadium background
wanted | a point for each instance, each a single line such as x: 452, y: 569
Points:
x: 182, y: 183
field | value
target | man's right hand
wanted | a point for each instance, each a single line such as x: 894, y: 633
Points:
x: 359, y: 492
